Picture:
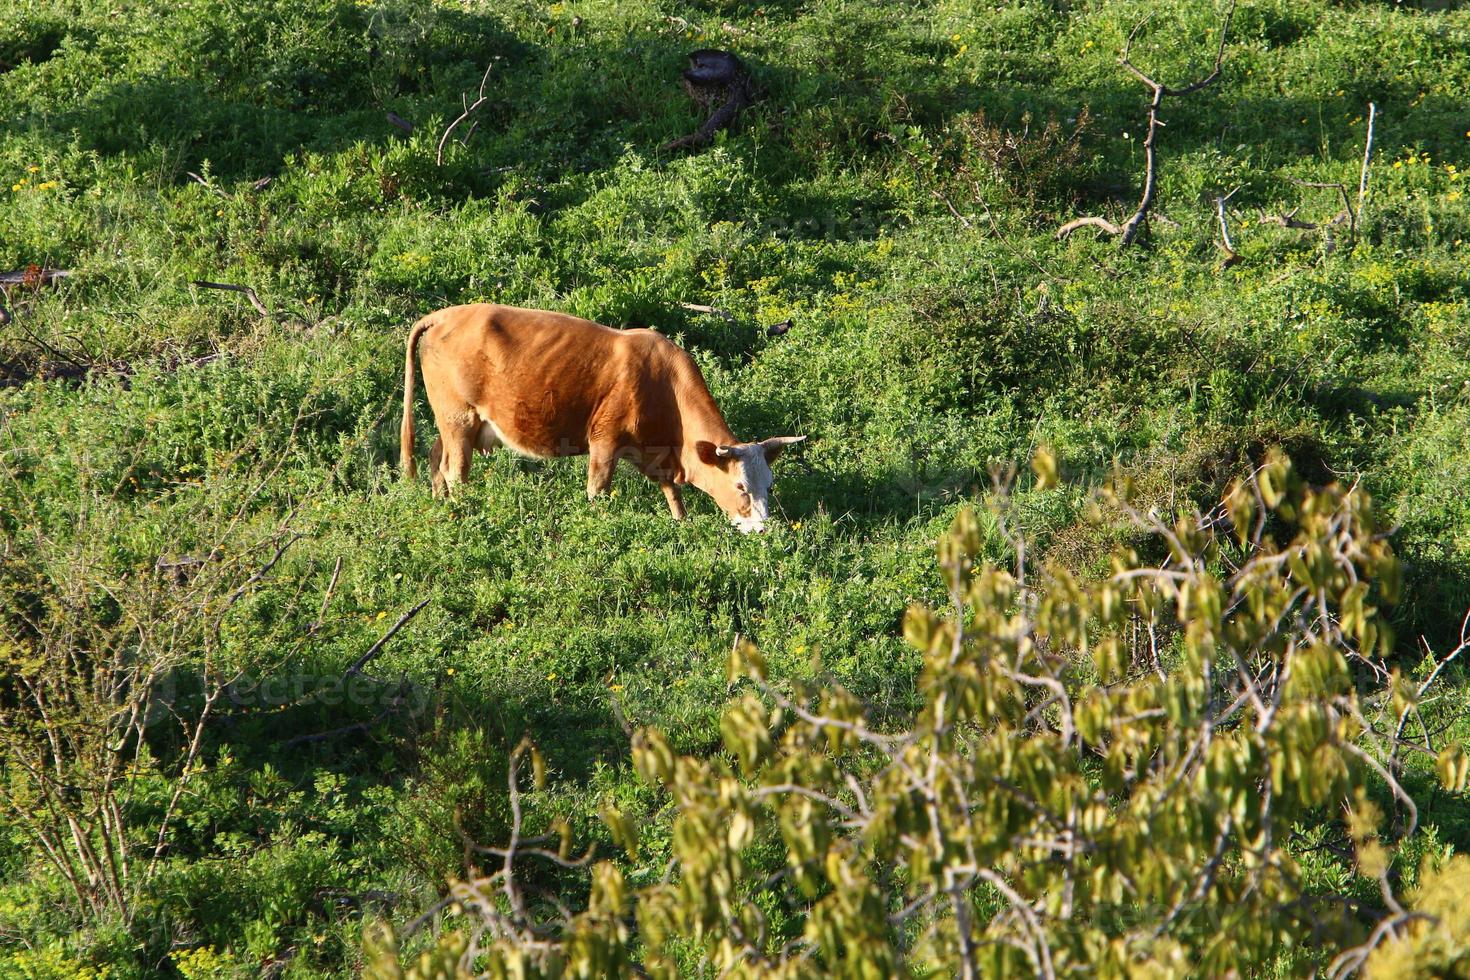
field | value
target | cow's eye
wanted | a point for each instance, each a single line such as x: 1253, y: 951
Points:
x: 740, y: 487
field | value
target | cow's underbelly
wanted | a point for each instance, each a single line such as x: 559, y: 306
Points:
x: 530, y: 436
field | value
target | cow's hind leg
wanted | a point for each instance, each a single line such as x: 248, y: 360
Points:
x: 436, y: 463
x: 458, y: 447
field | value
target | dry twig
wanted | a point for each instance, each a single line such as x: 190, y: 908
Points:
x: 377, y: 648
x: 1349, y: 215
x: 1231, y: 255
x: 246, y: 290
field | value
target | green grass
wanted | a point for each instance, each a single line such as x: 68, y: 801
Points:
x: 923, y: 352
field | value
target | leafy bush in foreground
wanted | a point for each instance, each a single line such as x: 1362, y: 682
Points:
x: 1104, y: 777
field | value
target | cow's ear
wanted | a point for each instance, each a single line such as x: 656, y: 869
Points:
x: 709, y: 453
x: 776, y: 445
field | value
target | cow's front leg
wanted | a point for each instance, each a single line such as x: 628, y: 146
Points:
x: 600, y: 463
x: 676, y: 502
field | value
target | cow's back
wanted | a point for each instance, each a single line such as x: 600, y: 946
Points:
x: 548, y: 382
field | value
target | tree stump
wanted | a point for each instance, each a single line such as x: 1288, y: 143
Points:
x: 716, y: 79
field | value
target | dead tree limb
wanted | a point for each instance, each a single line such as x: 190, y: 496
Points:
x: 394, y: 119
x: 1367, y: 158
x: 1288, y: 220
x: 245, y: 290
x: 32, y: 277
x: 1128, y: 231
x: 321, y: 616
x: 1367, y: 153
x: 377, y: 648
x: 468, y: 111
x: 715, y: 78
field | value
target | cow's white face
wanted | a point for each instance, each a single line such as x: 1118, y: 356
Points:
x: 740, y: 478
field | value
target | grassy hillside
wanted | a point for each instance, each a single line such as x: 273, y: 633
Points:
x: 181, y: 473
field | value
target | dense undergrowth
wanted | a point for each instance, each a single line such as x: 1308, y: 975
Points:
x: 180, y: 473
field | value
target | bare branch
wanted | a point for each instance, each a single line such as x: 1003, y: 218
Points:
x: 468, y: 111
x: 1095, y: 222
x: 1231, y: 255
x: 1367, y: 156
x: 206, y: 184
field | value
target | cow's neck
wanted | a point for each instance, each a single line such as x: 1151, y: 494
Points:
x: 702, y: 422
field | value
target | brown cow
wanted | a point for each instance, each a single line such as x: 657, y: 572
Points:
x: 547, y: 384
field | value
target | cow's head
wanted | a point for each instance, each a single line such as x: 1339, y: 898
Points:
x: 739, y: 478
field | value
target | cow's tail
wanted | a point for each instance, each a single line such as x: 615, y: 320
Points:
x: 405, y: 433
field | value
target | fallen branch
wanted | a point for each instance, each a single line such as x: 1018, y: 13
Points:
x: 394, y: 119
x: 1128, y: 231
x: 774, y: 330
x: 206, y: 184
x: 264, y: 570
x: 377, y: 648
x: 399, y: 697
x: 1095, y: 222
x: 934, y: 192
x: 701, y: 308
x: 468, y: 110
x: 231, y: 287
x: 1346, y: 215
x: 33, y: 276
x: 1287, y: 220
